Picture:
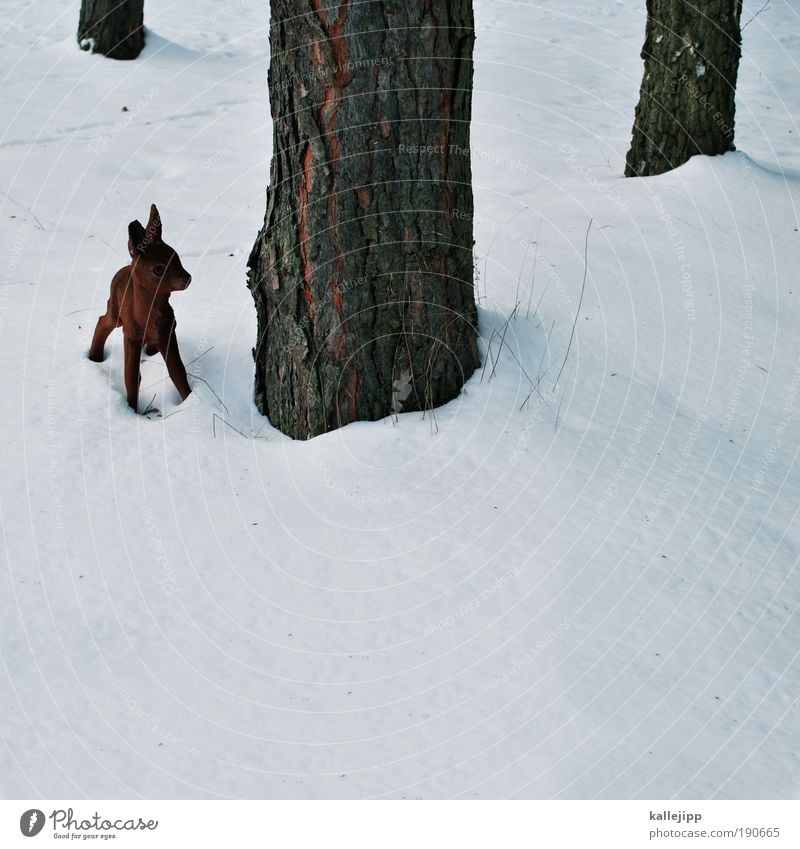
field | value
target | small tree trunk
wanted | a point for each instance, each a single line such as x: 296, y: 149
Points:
x: 362, y: 273
x: 686, y: 103
x: 114, y: 28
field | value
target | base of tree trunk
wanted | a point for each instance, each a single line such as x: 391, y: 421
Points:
x: 686, y: 103
x: 113, y: 28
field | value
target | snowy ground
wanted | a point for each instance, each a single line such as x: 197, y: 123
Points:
x: 591, y: 594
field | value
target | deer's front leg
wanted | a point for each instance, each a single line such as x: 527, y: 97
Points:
x: 177, y: 372
x: 133, y: 356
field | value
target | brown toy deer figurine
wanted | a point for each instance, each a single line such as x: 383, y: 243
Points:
x: 139, y: 303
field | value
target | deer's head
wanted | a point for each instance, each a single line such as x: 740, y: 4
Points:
x: 154, y: 263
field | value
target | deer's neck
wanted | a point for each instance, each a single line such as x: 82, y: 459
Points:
x: 151, y: 308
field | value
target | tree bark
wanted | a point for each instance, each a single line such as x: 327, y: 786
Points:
x: 362, y: 272
x: 686, y: 103
x: 114, y: 28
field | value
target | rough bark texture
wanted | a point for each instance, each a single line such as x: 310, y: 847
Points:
x: 112, y: 27
x: 686, y: 103
x: 362, y: 273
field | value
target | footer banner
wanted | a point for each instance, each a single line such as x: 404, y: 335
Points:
x: 401, y: 824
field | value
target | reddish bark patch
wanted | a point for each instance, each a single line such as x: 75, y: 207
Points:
x: 318, y: 59
x: 328, y: 110
x: 338, y: 298
x: 305, y: 191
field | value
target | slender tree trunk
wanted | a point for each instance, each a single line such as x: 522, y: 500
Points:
x: 362, y: 273
x: 686, y: 103
x: 114, y: 28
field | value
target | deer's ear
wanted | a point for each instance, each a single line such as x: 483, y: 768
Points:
x: 154, y: 225
x: 137, y: 239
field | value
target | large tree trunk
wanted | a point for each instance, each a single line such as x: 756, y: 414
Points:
x: 114, y: 28
x: 686, y: 103
x: 362, y: 273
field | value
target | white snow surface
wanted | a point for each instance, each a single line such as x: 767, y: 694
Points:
x: 585, y: 587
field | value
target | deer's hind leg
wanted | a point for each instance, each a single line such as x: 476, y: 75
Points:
x: 105, y: 324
